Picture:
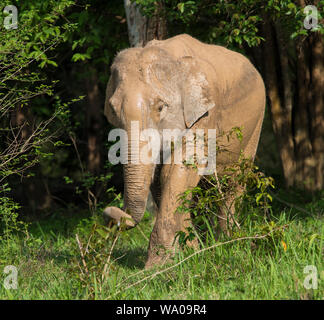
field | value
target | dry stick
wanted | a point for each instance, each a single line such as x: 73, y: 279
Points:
x: 29, y: 62
x: 105, y: 272
x: 143, y: 234
x: 82, y: 255
x: 92, y: 204
x: 87, y: 246
x: 16, y: 149
x: 131, y: 276
x: 77, y: 152
x: 223, y: 197
x: 119, y: 258
x: 218, y: 187
x: 198, y: 252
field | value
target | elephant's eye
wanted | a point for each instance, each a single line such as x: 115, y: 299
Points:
x: 162, y: 106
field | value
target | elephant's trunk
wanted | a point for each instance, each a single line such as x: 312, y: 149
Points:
x: 137, y: 181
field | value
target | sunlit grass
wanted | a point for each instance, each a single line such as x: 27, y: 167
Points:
x: 49, y: 263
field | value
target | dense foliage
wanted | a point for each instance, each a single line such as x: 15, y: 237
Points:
x: 45, y: 72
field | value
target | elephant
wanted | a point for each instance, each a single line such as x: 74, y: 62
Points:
x: 179, y: 83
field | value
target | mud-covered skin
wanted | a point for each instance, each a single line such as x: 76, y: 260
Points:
x: 181, y: 83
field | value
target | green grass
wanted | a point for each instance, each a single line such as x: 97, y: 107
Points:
x: 48, y: 262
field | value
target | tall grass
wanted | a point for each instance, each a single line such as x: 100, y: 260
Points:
x: 50, y: 265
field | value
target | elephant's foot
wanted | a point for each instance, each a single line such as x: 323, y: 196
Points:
x: 159, y: 252
x: 157, y: 258
x: 118, y: 216
x: 164, y: 244
x: 157, y: 261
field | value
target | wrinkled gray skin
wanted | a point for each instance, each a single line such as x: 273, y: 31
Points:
x: 180, y: 83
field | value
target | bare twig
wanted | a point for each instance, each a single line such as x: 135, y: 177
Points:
x: 77, y: 152
x: 18, y: 146
x: 92, y: 199
x: 29, y: 62
x: 142, y: 233
x: 105, y: 271
x: 228, y: 210
x: 82, y: 254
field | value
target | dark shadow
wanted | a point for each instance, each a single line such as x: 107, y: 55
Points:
x: 49, y: 228
x: 130, y: 258
x: 298, y: 204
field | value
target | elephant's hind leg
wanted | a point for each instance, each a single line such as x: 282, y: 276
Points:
x: 175, y: 179
x: 228, y: 216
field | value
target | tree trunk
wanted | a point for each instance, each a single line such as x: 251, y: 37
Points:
x: 297, y: 104
x: 280, y: 116
x: 94, y: 123
x: 303, y: 147
x: 142, y: 29
x: 317, y: 107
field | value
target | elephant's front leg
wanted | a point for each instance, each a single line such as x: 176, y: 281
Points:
x: 175, y: 179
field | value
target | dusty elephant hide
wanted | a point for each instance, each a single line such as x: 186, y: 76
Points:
x: 180, y: 83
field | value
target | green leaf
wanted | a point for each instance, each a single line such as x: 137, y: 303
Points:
x: 312, y: 239
x: 80, y: 56
x: 51, y: 62
x: 291, y: 6
x: 181, y: 7
x: 258, y: 197
x: 103, y: 233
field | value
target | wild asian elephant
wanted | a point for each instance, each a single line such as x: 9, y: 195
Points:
x: 179, y: 83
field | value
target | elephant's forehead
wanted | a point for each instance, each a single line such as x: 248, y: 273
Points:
x: 122, y: 70
x: 128, y: 54
x: 125, y: 63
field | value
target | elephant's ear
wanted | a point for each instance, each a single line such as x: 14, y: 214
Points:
x: 196, y: 89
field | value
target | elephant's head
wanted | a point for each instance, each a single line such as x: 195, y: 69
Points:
x: 160, y: 91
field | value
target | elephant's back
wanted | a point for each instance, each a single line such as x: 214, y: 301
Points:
x: 235, y: 75
x: 235, y: 79
x: 229, y: 68
x: 178, y: 46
